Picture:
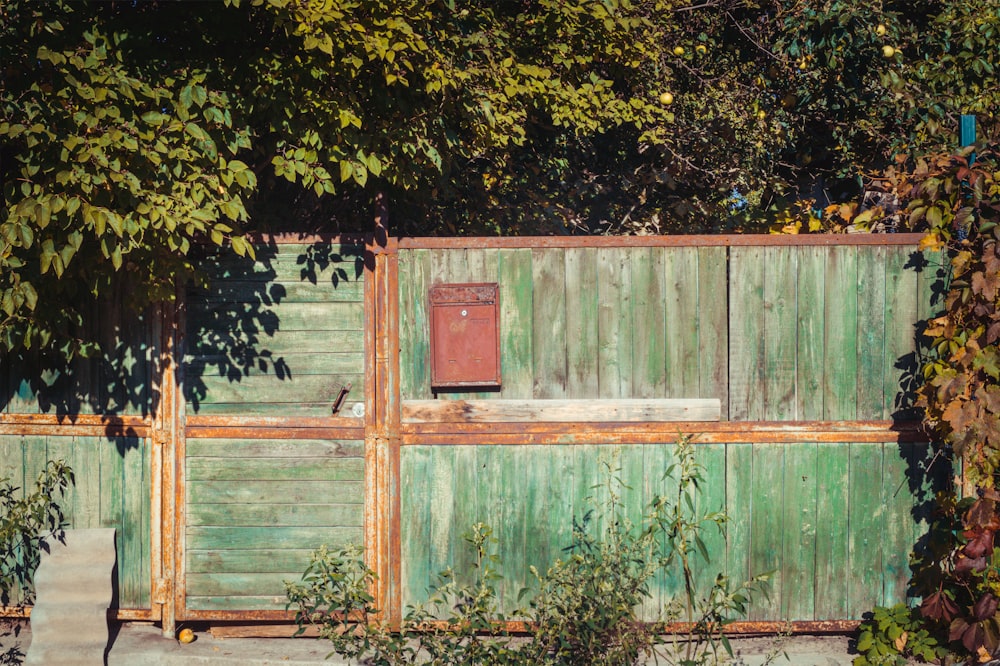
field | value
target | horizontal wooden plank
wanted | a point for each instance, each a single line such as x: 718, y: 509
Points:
x: 271, y: 432
x: 272, y: 344
x: 284, y: 317
x: 248, y: 538
x: 247, y: 561
x: 275, y: 515
x: 326, y: 361
x: 561, y: 411
x: 270, y: 389
x: 275, y: 448
x: 239, y: 584
x: 275, y: 492
x: 214, y: 608
x: 727, y: 240
x: 267, y: 289
x: 275, y: 469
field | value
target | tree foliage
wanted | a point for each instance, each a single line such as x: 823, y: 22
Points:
x: 131, y: 131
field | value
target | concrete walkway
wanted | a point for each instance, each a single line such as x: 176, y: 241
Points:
x: 138, y: 644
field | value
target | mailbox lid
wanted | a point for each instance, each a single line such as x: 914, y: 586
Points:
x: 465, y: 335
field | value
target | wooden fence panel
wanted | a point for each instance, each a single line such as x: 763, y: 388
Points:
x: 277, y: 335
x: 256, y: 509
x: 807, y: 512
x: 110, y: 489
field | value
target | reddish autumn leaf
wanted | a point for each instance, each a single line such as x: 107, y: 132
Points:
x: 986, y: 607
x: 982, y: 515
x: 939, y: 606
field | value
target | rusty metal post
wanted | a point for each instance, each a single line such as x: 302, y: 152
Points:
x: 382, y: 417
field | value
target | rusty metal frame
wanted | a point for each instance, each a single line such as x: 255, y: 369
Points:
x: 730, y: 240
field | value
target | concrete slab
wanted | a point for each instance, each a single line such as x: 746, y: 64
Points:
x: 140, y: 643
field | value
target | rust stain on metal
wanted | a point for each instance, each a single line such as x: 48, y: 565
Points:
x: 731, y: 240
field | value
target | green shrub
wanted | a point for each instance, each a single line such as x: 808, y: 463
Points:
x: 894, y: 636
x: 581, y: 609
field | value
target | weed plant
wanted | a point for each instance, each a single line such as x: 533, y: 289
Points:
x: 580, y: 610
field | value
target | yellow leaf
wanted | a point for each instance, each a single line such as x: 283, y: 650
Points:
x: 900, y: 642
x: 931, y: 242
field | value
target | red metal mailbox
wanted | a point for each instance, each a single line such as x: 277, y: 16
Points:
x: 465, y: 335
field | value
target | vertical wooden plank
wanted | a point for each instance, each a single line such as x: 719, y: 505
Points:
x: 12, y: 460
x: 64, y: 448
x: 746, y: 334
x: 840, y: 355
x: 713, y: 326
x: 898, y: 524
x: 410, y: 354
x: 516, y: 303
x: 739, y: 508
x: 866, y: 518
x: 780, y: 269
x: 582, y: 366
x: 712, y: 499
x: 145, y: 524
x: 415, y: 522
x: 799, y: 530
x: 135, y: 489
x: 110, y: 459
x: 832, y: 530
x: 549, y: 343
x: 510, y: 530
x: 88, y: 480
x: 441, y: 509
x: 649, y: 323
x: 682, y: 363
x: 766, y: 537
x: 614, y: 302
x: 871, y: 331
x: 901, y: 313
x: 466, y: 480
x: 539, y: 508
x: 560, y: 498
x: 810, y: 366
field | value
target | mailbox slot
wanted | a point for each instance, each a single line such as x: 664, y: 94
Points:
x: 465, y: 337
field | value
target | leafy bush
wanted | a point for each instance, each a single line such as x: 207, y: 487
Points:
x: 894, y: 636
x: 582, y: 609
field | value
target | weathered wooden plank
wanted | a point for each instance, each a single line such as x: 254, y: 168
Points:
x: 581, y: 323
x: 273, y: 344
x: 320, y: 362
x: 871, y: 331
x: 556, y: 411
x: 901, y: 314
x: 261, y: 289
x: 304, y: 410
x: 739, y: 508
x: 112, y: 465
x: 132, y: 573
x: 535, y: 502
x: 63, y: 448
x: 840, y: 355
x: 516, y: 307
x: 274, y: 492
x: 511, y: 531
x: 249, y: 318
x: 268, y: 388
x: 275, y: 469
x: 275, y: 448
x: 247, y: 561
x: 780, y: 273
x: 649, y: 325
x: 614, y: 318
x: 249, y: 538
x: 415, y: 515
x: 549, y: 337
x: 746, y: 334
x: 276, y: 602
x: 810, y: 333
x: 866, y: 519
x: 898, y: 524
x: 711, y: 499
x: 832, y: 530
x: 766, y: 535
x: 275, y: 515
x: 681, y: 331
x: 467, y: 478
x: 713, y: 328
x: 441, y: 509
x: 238, y: 584
x: 87, y: 486
x: 12, y: 461
x: 799, y: 525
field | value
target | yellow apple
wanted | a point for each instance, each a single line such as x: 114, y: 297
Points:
x: 700, y: 49
x: 888, y: 51
x: 880, y: 30
x: 666, y: 99
x: 678, y: 50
